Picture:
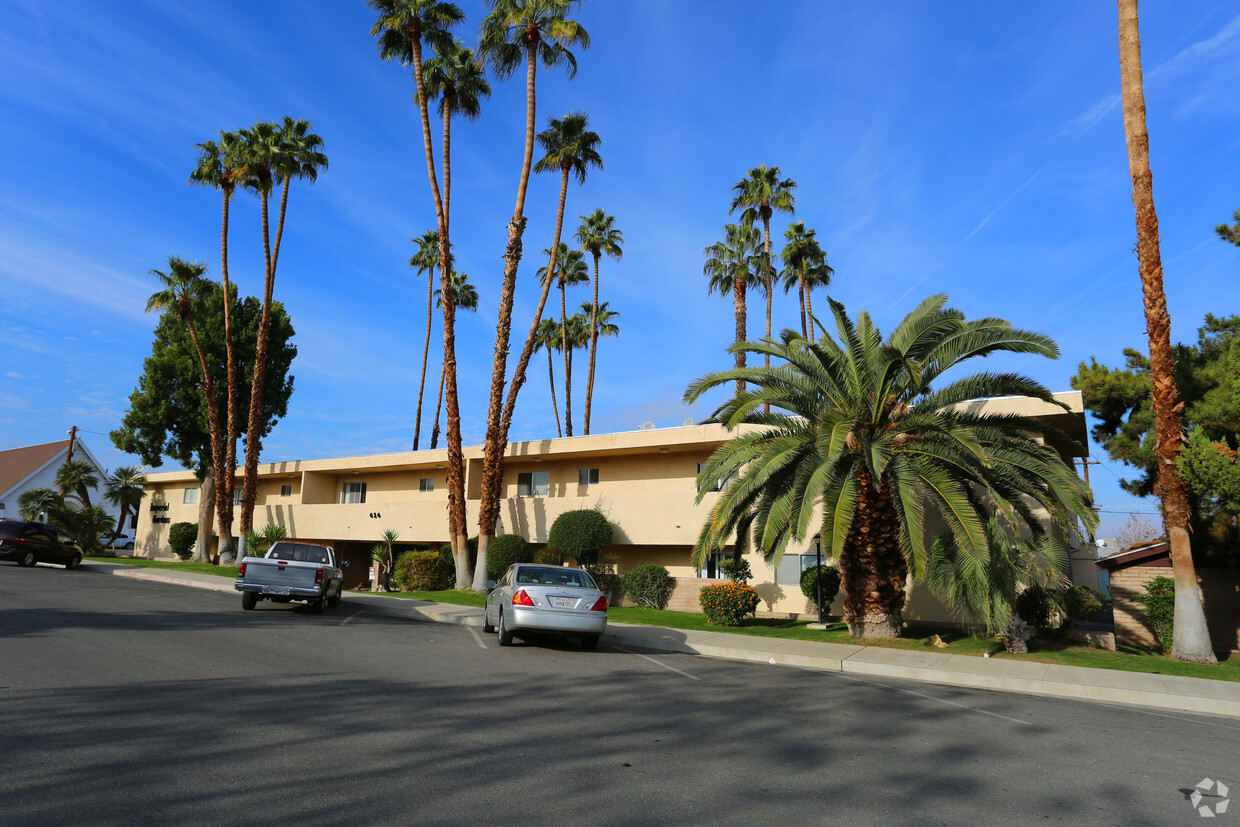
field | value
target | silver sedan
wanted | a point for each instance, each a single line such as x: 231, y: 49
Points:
x: 545, y: 599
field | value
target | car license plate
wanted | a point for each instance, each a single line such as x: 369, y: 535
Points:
x: 277, y: 589
x: 562, y: 602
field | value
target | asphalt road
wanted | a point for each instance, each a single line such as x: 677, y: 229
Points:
x: 127, y: 702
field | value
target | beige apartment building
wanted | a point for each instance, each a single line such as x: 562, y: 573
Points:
x: 644, y: 481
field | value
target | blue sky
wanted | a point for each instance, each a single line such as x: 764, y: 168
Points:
x: 974, y: 149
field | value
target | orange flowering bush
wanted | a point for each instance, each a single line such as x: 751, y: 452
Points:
x: 727, y: 604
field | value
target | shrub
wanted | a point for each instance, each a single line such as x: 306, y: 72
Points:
x: 471, y: 547
x: 580, y: 534
x: 181, y: 537
x: 1159, y: 614
x: 830, y: 577
x: 506, y: 549
x: 422, y: 571
x: 648, y: 585
x: 606, y: 574
x: 737, y: 571
x: 1079, y: 602
x: 727, y: 604
x: 550, y: 556
x: 1035, y: 605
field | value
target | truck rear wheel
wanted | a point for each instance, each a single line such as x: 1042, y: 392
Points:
x: 335, y: 601
x: 317, y: 605
x: 249, y: 600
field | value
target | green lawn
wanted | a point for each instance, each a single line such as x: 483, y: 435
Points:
x: 1069, y: 653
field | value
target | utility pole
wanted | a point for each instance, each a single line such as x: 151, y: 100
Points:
x: 72, y: 437
x: 1085, y: 463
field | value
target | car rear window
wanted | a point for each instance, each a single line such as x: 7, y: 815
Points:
x: 555, y: 576
x: 10, y: 530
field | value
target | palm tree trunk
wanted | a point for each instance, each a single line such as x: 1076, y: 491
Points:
x: 438, y: 405
x: 1191, y: 637
x: 253, y: 440
x: 770, y: 294
x: 426, y: 352
x: 568, y: 378
x: 593, y: 348
x: 738, y: 302
x: 804, y: 298
x: 206, y: 500
x: 447, y: 161
x: 496, y: 437
x: 809, y: 309
x: 872, y: 565
x: 213, y: 425
x: 555, y: 406
x: 225, y: 513
x: 275, y: 253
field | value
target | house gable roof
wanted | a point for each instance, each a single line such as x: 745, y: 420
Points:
x: 20, y: 464
x: 1133, y: 555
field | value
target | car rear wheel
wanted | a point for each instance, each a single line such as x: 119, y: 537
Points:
x: 486, y: 622
x: 28, y: 559
x: 505, y: 636
x: 249, y: 600
x: 129, y: 546
x: 74, y: 562
x: 589, y: 643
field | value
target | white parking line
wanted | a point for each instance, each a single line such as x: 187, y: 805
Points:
x: 657, y: 663
x: 345, y: 622
x: 927, y: 697
x: 476, y: 636
x: 1172, y: 717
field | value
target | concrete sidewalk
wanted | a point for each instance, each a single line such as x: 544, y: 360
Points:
x: 1104, y: 685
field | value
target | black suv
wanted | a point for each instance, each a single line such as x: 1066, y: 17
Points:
x: 27, y: 543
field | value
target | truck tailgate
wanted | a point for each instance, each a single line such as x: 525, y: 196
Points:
x: 281, y: 573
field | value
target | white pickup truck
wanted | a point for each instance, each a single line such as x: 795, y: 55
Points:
x: 290, y: 571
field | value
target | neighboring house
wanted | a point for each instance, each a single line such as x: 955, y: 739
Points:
x: 1129, y: 570
x: 36, y: 466
x: 644, y: 482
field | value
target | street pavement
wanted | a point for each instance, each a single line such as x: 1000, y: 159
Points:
x: 1168, y: 692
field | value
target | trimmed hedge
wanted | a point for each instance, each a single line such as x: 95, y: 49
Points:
x: 727, y: 604
x: 421, y: 571
x: 580, y: 534
x: 830, y: 577
x: 506, y: 549
x: 649, y: 585
x: 181, y: 537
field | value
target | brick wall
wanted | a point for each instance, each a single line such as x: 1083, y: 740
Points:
x: 1220, y: 594
x: 685, y: 594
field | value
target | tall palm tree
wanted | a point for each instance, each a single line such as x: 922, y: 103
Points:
x: 423, y: 260
x: 464, y: 297
x: 550, y: 338
x: 570, y: 268
x: 402, y: 27
x: 758, y: 196
x: 217, y: 168
x: 598, y: 235
x: 805, y: 267
x: 864, y: 444
x: 577, y: 336
x: 1191, y: 637
x: 533, y: 32
x: 271, y: 154
x: 124, y: 489
x: 733, y: 265
x: 75, y: 479
x: 601, y: 323
x: 457, y: 78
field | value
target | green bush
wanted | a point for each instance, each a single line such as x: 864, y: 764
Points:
x: 422, y: 571
x: 580, y: 534
x: 1159, y: 614
x: 727, y: 604
x: 471, y: 547
x: 606, y: 574
x: 738, y: 571
x: 1079, y: 602
x: 830, y: 577
x: 1035, y: 606
x: 506, y: 549
x: 181, y: 537
x: 550, y: 556
x: 648, y: 585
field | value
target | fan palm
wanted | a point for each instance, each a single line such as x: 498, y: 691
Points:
x: 733, y: 265
x: 464, y: 297
x: 423, y: 260
x: 39, y: 504
x: 599, y: 236
x: 757, y: 196
x: 805, y: 267
x: 458, y: 79
x: 860, y: 437
x: 75, y: 478
x: 577, y: 335
x: 570, y: 268
x: 1191, y: 636
x: 124, y: 489
x: 550, y: 338
x: 533, y: 31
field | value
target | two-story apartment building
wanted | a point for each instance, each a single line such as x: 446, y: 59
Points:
x: 644, y: 481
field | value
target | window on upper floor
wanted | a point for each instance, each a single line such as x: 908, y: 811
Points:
x: 533, y: 484
x: 190, y: 496
x: 286, y: 490
x: 719, y: 486
x: 353, y: 492
x: 426, y: 484
x: 587, y: 476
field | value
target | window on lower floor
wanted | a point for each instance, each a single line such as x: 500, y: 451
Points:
x: 426, y: 484
x: 190, y: 497
x: 711, y: 566
x: 587, y: 476
x: 533, y: 484
x: 353, y: 492
x: 237, y: 492
x: 792, y: 566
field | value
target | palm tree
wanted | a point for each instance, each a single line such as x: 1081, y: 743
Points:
x: 805, y: 267
x: 402, y: 26
x: 732, y: 265
x: 550, y: 338
x: 458, y: 79
x: 382, y: 553
x: 599, y: 236
x: 217, y: 168
x: 39, y: 504
x: 863, y: 446
x: 533, y: 31
x: 570, y: 268
x: 124, y: 489
x: 600, y: 323
x: 464, y: 297
x: 1191, y: 637
x: 577, y: 335
x: 270, y: 155
x: 75, y: 479
x: 757, y: 196
x: 424, y: 260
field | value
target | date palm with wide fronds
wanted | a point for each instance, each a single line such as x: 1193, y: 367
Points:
x: 870, y: 437
x: 734, y: 265
x: 599, y: 236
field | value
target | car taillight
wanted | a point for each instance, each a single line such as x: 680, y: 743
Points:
x: 521, y: 599
x: 241, y: 570
x: 318, y: 577
x: 600, y: 605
